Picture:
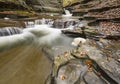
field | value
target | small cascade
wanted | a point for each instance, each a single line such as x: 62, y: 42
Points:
x: 67, y: 13
x: 49, y: 22
x: 32, y: 24
x: 65, y: 23
x: 10, y: 31
x: 58, y: 23
x: 43, y: 21
x: 29, y: 24
x: 37, y: 22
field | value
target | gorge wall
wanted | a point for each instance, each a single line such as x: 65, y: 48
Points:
x: 32, y: 5
x: 105, y: 13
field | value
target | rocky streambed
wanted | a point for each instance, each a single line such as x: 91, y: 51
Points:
x: 92, y: 62
x: 97, y: 60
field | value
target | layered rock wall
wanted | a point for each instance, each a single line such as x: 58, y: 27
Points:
x: 104, y: 14
x: 35, y: 5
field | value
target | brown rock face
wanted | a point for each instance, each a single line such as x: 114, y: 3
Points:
x: 46, y: 5
x: 103, y: 13
x: 107, y: 9
x: 35, y: 5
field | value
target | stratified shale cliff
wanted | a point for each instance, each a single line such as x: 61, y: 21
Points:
x: 35, y: 5
x: 101, y: 13
x: 97, y: 10
x: 100, y: 27
x: 46, y: 5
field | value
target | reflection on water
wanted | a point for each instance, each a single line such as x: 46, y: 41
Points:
x: 23, y: 65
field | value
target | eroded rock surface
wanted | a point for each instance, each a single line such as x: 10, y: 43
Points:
x: 27, y: 8
x: 86, y: 64
x: 102, y: 14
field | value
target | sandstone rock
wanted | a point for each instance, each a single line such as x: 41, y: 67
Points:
x: 94, y: 67
x: 30, y: 5
x: 102, y: 13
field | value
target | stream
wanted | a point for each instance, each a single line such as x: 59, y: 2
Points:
x: 41, y: 51
x: 23, y: 56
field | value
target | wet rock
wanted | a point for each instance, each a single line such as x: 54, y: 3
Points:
x: 89, y: 62
x: 62, y: 23
x: 11, y: 23
x: 104, y: 14
x: 71, y: 73
x: 91, y: 78
x: 59, y: 24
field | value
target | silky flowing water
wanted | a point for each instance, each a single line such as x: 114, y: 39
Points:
x: 27, y: 57
x: 23, y: 65
x: 26, y: 63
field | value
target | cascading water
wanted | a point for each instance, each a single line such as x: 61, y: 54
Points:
x: 43, y: 21
x: 39, y: 22
x: 10, y: 31
x: 40, y: 32
x: 26, y: 50
x: 67, y: 13
x: 22, y: 60
x: 47, y: 36
x: 29, y: 24
x: 31, y: 42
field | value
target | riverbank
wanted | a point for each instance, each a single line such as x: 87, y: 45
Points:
x: 94, y: 60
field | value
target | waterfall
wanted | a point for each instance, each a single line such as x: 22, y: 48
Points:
x: 67, y: 13
x: 32, y: 24
x: 29, y: 24
x: 10, y: 31
x: 43, y: 21
x: 37, y: 32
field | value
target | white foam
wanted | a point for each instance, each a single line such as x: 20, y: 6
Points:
x: 78, y: 41
x: 67, y: 13
x: 13, y: 40
x: 39, y: 34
